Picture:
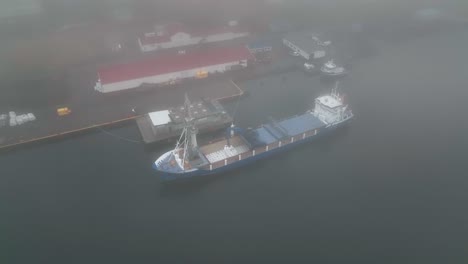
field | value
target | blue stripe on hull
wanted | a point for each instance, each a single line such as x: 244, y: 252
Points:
x: 168, y: 177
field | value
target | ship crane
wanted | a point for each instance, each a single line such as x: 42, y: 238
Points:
x: 188, y: 139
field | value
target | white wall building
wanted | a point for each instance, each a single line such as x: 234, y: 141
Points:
x: 176, y: 35
x: 306, y: 44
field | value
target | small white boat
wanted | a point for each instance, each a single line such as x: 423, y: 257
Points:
x: 331, y: 69
x: 309, y: 67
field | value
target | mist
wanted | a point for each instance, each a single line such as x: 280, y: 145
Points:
x: 93, y: 123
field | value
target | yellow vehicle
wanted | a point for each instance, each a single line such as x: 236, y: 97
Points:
x: 63, y: 111
x: 202, y: 74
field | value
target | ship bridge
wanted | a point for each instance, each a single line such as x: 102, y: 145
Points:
x: 329, y: 101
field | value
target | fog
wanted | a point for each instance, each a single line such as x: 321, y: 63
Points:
x: 77, y: 183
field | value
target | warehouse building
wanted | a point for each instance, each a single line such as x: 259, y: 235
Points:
x: 171, y: 68
x: 178, y: 35
x: 308, y: 45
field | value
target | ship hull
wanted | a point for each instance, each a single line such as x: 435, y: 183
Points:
x: 326, y: 74
x: 173, y: 177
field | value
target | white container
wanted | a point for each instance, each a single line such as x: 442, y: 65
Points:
x: 3, y: 120
x: 25, y: 118
x: 31, y: 116
x: 13, y: 122
x: 12, y: 115
x: 20, y: 120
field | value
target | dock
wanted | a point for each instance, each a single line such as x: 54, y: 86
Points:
x: 91, y: 110
x: 95, y: 110
x: 164, y: 125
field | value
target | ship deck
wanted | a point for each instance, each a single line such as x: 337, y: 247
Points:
x: 290, y: 127
x: 197, y: 109
x: 218, y: 151
x: 265, y: 138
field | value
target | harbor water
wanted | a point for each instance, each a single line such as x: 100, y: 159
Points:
x: 391, y: 188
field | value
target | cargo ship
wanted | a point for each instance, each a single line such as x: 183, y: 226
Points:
x: 242, y: 147
x: 208, y: 116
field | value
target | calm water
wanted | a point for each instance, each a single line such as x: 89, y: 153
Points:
x: 390, y: 189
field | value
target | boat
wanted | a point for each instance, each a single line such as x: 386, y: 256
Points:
x: 310, y: 67
x: 332, y: 70
x: 241, y: 147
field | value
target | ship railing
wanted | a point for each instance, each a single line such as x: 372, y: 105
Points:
x: 260, y: 150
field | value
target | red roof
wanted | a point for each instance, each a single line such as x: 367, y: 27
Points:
x: 167, y: 63
x: 172, y: 29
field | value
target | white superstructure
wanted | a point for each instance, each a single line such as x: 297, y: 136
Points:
x: 331, y: 108
x: 160, y: 118
x: 331, y: 69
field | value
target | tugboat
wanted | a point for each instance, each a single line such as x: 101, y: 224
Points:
x: 330, y: 69
x: 242, y: 147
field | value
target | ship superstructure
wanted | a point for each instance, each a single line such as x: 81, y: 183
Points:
x: 332, y: 70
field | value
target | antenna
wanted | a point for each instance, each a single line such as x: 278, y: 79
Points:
x: 230, y: 134
x: 335, y: 89
x: 232, y: 130
x: 187, y: 104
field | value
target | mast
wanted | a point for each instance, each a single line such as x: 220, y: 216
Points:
x: 337, y: 96
x: 334, y: 90
x: 190, y: 140
x: 230, y: 134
